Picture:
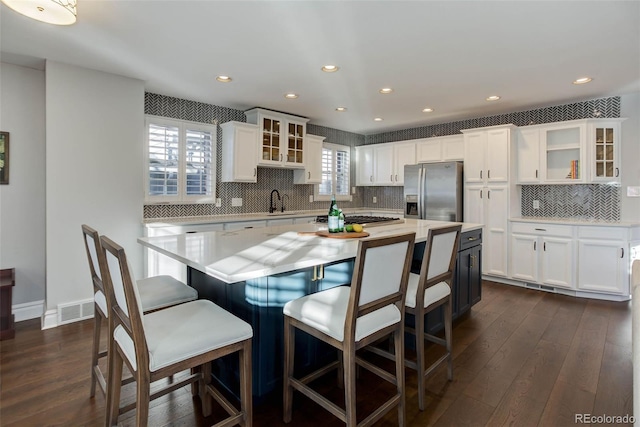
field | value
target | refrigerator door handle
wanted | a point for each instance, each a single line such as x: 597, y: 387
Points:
x: 420, y: 193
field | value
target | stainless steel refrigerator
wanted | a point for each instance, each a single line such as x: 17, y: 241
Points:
x: 433, y: 191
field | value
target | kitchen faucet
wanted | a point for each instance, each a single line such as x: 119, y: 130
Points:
x: 272, y: 207
x: 282, y: 206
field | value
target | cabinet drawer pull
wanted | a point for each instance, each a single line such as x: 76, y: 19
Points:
x: 396, y: 178
x: 371, y: 178
x: 480, y: 174
x: 472, y: 239
x: 471, y: 259
x: 617, y: 172
x: 391, y: 177
x: 481, y: 194
x: 255, y: 171
x: 488, y: 194
x: 534, y: 246
x: 622, y: 250
x: 540, y: 229
x: 544, y: 246
x: 309, y: 175
x: 536, y: 173
x: 489, y: 174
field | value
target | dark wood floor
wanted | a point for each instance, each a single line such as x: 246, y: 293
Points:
x: 522, y: 358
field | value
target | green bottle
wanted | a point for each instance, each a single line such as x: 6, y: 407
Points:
x: 334, y: 216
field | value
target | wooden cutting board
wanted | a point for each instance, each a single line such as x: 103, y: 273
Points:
x: 344, y: 235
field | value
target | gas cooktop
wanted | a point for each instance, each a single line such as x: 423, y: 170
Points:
x: 365, y: 220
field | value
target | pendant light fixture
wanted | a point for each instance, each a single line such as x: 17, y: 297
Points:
x: 57, y: 12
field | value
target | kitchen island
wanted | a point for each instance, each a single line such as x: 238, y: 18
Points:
x: 254, y: 272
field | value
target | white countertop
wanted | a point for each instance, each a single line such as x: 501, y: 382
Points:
x: 258, y: 216
x: 573, y: 221
x: 234, y: 256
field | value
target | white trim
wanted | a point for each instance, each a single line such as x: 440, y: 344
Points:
x: 49, y: 319
x: 28, y: 310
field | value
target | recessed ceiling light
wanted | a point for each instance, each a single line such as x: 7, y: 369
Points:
x: 330, y: 68
x: 493, y: 98
x: 291, y: 95
x: 386, y: 90
x: 341, y: 109
x: 223, y: 79
x: 427, y: 110
x: 377, y: 119
x: 582, y: 80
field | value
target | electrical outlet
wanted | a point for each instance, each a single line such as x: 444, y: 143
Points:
x: 353, y: 190
x: 536, y: 204
x: 375, y: 199
x: 310, y: 198
x: 633, y: 191
x: 236, y: 201
x: 218, y: 202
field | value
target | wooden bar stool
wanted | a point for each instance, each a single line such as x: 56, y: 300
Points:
x: 349, y: 318
x: 163, y: 343
x: 155, y: 293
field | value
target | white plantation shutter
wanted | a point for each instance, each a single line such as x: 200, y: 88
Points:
x: 164, y: 154
x: 198, y: 162
x: 335, y: 172
x: 180, y: 161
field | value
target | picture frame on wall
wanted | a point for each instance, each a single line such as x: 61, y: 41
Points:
x: 4, y: 157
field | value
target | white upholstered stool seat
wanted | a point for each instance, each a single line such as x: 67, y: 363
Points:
x: 326, y: 311
x: 434, y: 293
x: 184, y: 331
x: 163, y: 291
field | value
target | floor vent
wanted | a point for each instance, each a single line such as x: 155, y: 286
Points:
x: 75, y: 311
x: 531, y: 285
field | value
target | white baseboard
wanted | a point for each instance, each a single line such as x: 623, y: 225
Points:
x: 49, y: 319
x: 28, y: 310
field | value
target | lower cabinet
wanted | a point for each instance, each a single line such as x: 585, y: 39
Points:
x: 467, y: 289
x: 543, y: 254
x: 604, y: 260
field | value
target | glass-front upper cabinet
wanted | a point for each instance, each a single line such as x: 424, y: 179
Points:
x: 281, y: 138
x: 604, y: 147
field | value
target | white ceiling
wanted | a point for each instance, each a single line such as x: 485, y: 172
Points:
x: 447, y: 55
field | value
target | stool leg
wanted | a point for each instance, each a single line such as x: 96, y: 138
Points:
x: 349, y: 361
x: 289, y: 347
x: 420, y: 356
x: 97, y: 326
x: 398, y: 336
x: 448, y: 338
x: 113, y: 387
x: 246, y: 375
x: 203, y: 382
x: 142, y: 398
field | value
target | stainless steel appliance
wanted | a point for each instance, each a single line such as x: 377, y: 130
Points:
x: 433, y: 191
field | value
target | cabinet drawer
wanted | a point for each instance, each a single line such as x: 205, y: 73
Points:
x: 542, y: 229
x: 608, y: 233
x: 470, y: 239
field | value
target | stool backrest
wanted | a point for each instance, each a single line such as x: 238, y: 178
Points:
x: 95, y: 257
x: 439, y: 257
x: 380, y: 276
x: 126, y: 307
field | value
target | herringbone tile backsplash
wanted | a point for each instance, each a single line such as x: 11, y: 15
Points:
x: 600, y: 202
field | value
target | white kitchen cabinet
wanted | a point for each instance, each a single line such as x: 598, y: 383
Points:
x: 528, y: 155
x: 383, y: 164
x: 312, y: 172
x: 604, y: 260
x: 543, y: 254
x: 403, y: 154
x: 241, y: 225
x: 603, y: 147
x: 239, y: 157
x: 440, y: 149
x: 281, y: 138
x: 364, y: 165
x: 489, y: 184
x: 304, y: 220
x: 279, y: 221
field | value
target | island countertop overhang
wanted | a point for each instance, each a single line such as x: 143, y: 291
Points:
x: 239, y: 255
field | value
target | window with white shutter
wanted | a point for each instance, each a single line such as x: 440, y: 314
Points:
x: 180, y: 161
x: 335, y: 172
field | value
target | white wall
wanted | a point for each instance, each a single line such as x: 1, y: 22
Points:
x: 630, y: 108
x: 22, y: 208
x: 94, y: 163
